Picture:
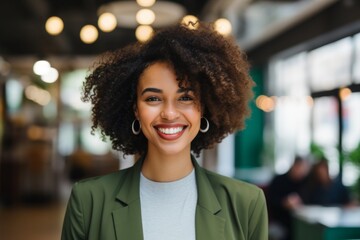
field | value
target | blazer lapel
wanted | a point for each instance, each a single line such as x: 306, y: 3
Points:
x: 127, y: 222
x: 209, y: 225
x: 127, y: 217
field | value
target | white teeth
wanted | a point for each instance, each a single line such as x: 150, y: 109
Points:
x: 171, y: 130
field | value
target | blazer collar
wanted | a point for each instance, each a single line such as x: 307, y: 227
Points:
x: 208, y: 224
x: 127, y: 217
x: 129, y: 190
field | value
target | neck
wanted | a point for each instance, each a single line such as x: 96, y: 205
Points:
x: 166, y: 168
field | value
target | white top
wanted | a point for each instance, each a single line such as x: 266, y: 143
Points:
x: 168, y: 208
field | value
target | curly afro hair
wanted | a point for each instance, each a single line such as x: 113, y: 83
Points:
x: 211, y: 64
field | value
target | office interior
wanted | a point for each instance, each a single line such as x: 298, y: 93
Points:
x: 305, y: 61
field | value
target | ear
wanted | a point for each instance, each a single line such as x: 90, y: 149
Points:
x: 202, y: 109
x: 135, y: 109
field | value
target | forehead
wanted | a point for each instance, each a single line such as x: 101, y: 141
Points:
x: 156, y: 68
x: 158, y: 74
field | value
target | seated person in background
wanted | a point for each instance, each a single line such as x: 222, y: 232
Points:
x: 283, y: 194
x: 321, y: 189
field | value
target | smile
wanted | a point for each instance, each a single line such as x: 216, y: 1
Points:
x: 170, y: 131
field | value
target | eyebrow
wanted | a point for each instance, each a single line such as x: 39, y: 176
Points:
x: 157, y: 90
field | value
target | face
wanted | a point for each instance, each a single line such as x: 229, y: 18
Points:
x: 322, y: 173
x: 169, y: 115
x: 299, y: 170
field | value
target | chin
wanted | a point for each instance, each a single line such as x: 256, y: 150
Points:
x: 174, y: 150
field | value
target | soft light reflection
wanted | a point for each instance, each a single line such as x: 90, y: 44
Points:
x: 14, y: 96
x: 143, y: 33
x: 54, y: 25
x: 190, y: 21
x: 146, y: 3
x: 107, y: 22
x: 41, y: 67
x: 344, y: 93
x: 70, y: 84
x: 89, y: 34
x: 38, y: 95
x: 145, y: 16
x: 223, y: 26
x: 50, y: 76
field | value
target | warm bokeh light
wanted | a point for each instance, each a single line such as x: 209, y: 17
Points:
x: 35, y: 132
x: 265, y: 103
x: 145, y: 16
x: 107, y: 22
x: 143, y: 33
x: 41, y: 67
x: 38, y: 95
x: 146, y: 3
x: 223, y: 26
x: 89, y: 34
x: 190, y: 21
x: 344, y: 93
x: 50, y: 76
x: 54, y: 25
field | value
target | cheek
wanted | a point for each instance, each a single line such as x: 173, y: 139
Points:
x: 195, y: 117
x: 146, y: 114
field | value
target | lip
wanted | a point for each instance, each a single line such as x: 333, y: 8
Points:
x: 170, y: 136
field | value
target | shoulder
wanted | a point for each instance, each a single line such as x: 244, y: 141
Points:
x: 105, y: 183
x: 281, y: 177
x: 233, y: 187
x: 242, y: 203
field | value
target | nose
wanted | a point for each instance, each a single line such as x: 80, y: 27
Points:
x: 169, y: 112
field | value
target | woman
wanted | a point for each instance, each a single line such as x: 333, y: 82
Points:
x: 182, y: 91
x: 321, y: 189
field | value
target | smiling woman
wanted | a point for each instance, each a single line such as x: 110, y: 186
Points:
x: 167, y: 112
x: 182, y: 91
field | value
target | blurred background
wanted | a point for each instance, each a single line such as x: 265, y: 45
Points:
x: 305, y: 60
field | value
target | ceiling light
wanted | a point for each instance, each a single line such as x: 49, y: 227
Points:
x: 167, y: 13
x: 145, y: 3
x: 145, y: 16
x: 223, y: 26
x: 107, y: 22
x: 41, y: 67
x: 54, y: 25
x: 89, y: 34
x: 143, y: 33
x: 190, y: 21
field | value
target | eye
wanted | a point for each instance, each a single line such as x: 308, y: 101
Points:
x: 186, y: 98
x: 152, y: 99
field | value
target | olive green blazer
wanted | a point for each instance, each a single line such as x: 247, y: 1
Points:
x: 108, y: 208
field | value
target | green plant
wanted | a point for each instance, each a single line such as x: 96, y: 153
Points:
x: 317, y: 151
x: 354, y: 158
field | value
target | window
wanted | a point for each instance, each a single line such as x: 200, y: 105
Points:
x: 330, y: 65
